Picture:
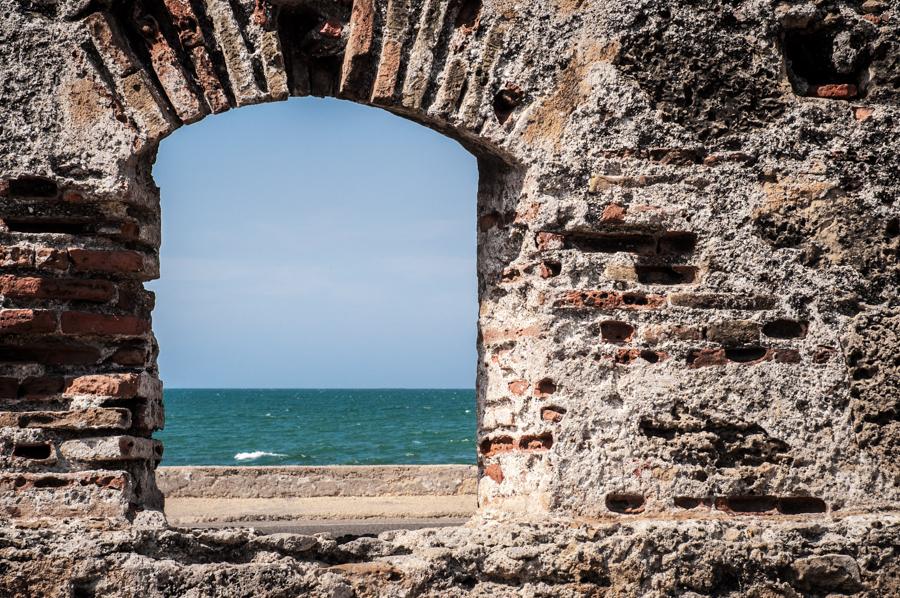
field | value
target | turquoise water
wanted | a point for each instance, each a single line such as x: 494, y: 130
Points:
x: 318, y: 427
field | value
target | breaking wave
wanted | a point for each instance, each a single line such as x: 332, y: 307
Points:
x: 256, y: 455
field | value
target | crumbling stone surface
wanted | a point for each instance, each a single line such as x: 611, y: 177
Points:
x: 687, y: 248
x: 488, y: 557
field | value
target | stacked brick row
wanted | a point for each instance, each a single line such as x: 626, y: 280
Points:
x: 78, y: 386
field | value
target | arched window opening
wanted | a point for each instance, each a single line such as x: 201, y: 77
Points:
x: 317, y: 303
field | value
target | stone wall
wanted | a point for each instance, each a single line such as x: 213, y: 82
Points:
x: 303, y: 482
x: 687, y: 247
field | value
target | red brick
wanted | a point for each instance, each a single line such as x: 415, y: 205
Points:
x: 547, y: 241
x: 494, y: 472
x: 518, y: 387
x: 30, y: 287
x: 16, y: 257
x: 51, y: 259
x: 836, y: 91
x: 550, y: 268
x: 27, y: 321
x: 552, y: 414
x: 536, y: 442
x: 81, y: 419
x: 331, y: 28
x: 114, y: 262
x: 494, y: 446
x: 498, y: 335
x: 707, y: 357
x: 629, y: 356
x: 123, y: 386
x: 613, y: 213
x: 80, y: 322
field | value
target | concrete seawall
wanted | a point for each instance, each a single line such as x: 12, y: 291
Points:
x: 309, y: 482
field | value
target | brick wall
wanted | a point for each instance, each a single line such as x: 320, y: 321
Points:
x: 687, y: 255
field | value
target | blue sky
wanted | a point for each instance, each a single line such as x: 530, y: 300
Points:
x: 318, y: 244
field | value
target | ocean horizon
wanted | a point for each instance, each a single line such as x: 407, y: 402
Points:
x: 326, y: 426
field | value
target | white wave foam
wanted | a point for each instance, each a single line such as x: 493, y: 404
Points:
x: 256, y: 455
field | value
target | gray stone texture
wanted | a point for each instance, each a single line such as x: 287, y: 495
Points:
x: 687, y: 258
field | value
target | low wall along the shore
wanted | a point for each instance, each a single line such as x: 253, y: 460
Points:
x: 381, y: 495
x: 308, y: 482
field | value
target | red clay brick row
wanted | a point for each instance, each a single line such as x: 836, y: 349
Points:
x: 73, y: 322
x: 27, y: 321
x: 490, y: 447
x: 65, y: 289
x: 122, y: 262
x: 33, y: 321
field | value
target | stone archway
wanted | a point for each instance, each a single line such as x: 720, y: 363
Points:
x: 146, y: 69
x: 687, y: 260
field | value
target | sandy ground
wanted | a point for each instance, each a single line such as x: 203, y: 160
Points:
x: 320, y: 512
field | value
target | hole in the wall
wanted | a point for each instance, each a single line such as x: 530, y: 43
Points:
x: 785, y: 329
x: 650, y: 356
x: 613, y: 331
x: 746, y: 504
x: 38, y: 451
x: 828, y: 61
x: 506, y: 101
x: 32, y: 186
x: 745, y: 354
x: 552, y: 414
x: 499, y: 444
x: 635, y: 299
x: 51, y: 482
x: 676, y: 242
x: 550, y: 268
x: 467, y: 15
x: 688, y: 502
x: 667, y: 275
x: 625, y: 503
x: 613, y: 243
x: 536, y: 442
x: 544, y: 388
x: 41, y: 225
x: 797, y: 505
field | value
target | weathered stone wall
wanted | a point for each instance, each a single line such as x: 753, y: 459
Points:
x: 688, y: 238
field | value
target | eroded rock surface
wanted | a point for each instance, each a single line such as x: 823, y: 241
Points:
x: 687, y: 260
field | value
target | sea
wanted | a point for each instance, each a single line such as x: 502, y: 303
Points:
x: 318, y: 427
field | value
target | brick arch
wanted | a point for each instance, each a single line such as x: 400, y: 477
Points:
x: 662, y: 298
